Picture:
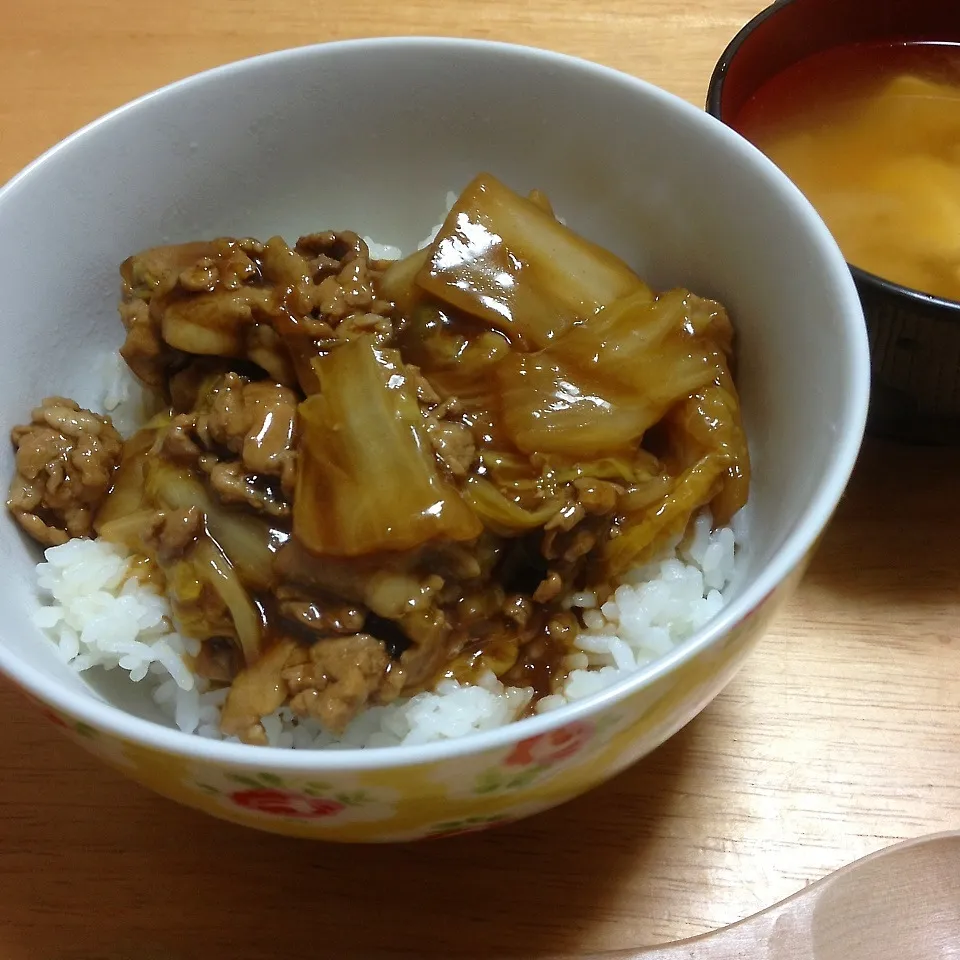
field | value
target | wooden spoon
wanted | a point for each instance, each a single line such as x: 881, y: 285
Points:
x: 901, y: 903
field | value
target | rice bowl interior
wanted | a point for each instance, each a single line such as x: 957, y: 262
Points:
x: 628, y: 214
x: 105, y: 606
x: 93, y: 609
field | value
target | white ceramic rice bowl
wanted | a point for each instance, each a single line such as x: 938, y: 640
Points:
x: 371, y: 135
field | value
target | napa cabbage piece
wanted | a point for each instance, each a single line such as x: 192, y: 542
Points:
x: 501, y: 515
x: 708, y: 424
x: 247, y: 540
x: 513, y: 497
x: 516, y: 472
x: 399, y: 281
x: 368, y: 480
x: 212, y: 568
x: 505, y: 259
x: 207, y: 596
x: 707, y: 463
x: 637, y: 467
x: 127, y: 495
x: 145, y: 483
x: 207, y: 584
x: 539, y: 199
x: 455, y: 351
x: 597, y: 390
x: 642, y: 534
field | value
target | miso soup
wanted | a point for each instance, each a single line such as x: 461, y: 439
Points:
x: 871, y: 134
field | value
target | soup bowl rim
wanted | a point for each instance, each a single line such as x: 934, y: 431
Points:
x: 714, y: 103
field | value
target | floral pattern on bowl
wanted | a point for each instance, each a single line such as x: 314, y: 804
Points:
x: 270, y: 795
x: 472, y: 791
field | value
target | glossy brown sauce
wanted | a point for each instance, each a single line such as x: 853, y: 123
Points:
x: 482, y: 640
x: 372, y: 476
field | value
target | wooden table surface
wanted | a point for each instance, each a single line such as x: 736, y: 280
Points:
x: 841, y: 735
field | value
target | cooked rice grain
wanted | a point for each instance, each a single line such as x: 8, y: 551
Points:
x: 98, y: 616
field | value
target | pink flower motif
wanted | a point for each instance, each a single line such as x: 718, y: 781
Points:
x: 283, y: 803
x: 550, y: 748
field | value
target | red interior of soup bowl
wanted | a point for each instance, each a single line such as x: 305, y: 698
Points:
x: 914, y: 336
x: 790, y: 30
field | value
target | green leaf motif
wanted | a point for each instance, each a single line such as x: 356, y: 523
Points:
x: 496, y: 781
x: 356, y: 799
x: 605, y: 723
x: 524, y: 778
x: 467, y: 823
x: 317, y: 786
x: 244, y: 780
x: 488, y: 782
x: 270, y: 779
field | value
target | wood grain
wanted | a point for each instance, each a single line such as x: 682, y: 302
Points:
x: 840, y: 736
x: 903, y: 901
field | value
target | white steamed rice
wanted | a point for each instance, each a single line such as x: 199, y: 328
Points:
x: 99, y: 616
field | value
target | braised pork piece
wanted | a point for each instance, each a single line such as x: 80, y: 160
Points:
x: 368, y: 475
